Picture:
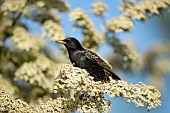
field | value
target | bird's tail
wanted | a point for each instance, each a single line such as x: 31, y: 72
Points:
x: 115, y: 77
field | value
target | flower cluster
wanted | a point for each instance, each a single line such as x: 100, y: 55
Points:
x: 10, y: 105
x: 6, y: 85
x: 53, y: 30
x: 22, y: 40
x: 131, y: 58
x: 126, y: 56
x: 119, y: 24
x: 164, y: 65
x: 75, y: 83
x: 40, y: 4
x: 161, y: 59
x: 99, y: 8
x: 141, y: 10
x: 39, y: 72
x: 80, y: 92
x: 91, y: 37
x: 5, y: 23
x: 59, y: 105
x: 160, y: 66
x: 62, y: 6
x: 13, y: 5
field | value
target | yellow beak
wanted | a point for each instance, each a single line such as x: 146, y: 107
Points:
x: 60, y: 41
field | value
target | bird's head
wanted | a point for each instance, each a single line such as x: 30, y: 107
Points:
x: 71, y: 44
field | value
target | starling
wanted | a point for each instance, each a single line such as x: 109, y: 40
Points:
x: 88, y: 60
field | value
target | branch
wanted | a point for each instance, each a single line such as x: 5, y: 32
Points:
x: 79, y: 92
x: 76, y: 84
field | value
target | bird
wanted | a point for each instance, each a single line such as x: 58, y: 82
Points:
x: 88, y: 60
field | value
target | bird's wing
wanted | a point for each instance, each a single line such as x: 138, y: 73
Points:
x: 96, y: 59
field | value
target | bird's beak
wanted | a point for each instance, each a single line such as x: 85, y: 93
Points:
x: 61, y: 41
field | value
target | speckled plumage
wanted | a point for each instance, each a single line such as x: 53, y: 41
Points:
x: 88, y: 60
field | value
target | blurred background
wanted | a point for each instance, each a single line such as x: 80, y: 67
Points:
x: 131, y: 35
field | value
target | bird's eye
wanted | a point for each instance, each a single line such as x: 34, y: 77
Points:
x: 66, y: 41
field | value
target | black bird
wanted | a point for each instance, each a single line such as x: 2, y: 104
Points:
x: 87, y: 60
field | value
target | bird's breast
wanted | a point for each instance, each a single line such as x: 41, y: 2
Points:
x: 77, y: 58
